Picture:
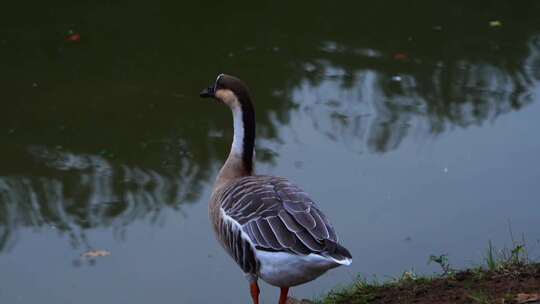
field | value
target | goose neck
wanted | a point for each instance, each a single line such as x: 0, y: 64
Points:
x: 241, y: 157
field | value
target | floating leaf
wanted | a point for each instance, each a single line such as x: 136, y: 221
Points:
x: 495, y: 23
x: 75, y: 37
x: 95, y: 253
x: 400, y: 56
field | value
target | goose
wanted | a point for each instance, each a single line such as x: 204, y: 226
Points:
x: 268, y: 225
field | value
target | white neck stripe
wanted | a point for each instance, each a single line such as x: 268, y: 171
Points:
x: 238, y: 124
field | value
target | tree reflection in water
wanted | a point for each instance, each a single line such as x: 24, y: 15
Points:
x: 377, y: 109
x: 79, y: 192
x: 338, y: 68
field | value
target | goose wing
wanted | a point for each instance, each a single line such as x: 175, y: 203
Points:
x: 277, y: 215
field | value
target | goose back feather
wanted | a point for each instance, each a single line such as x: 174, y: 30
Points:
x: 268, y: 213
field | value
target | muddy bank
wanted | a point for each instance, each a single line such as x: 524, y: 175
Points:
x: 514, y: 284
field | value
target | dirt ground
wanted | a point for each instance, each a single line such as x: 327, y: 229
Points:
x: 517, y: 285
x: 468, y: 287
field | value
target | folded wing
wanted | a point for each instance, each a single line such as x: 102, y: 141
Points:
x: 276, y: 215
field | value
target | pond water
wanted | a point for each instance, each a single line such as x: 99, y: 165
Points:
x: 414, y: 126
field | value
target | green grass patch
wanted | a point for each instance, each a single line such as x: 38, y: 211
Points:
x: 504, y: 274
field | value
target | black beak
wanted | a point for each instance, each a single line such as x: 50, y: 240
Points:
x: 208, y: 92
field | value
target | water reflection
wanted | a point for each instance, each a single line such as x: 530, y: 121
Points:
x: 111, y: 131
x: 76, y: 192
x: 375, y: 109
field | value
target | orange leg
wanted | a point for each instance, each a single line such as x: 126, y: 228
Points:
x: 254, y: 289
x: 283, y: 295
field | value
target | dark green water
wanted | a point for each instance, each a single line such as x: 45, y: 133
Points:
x: 413, y: 124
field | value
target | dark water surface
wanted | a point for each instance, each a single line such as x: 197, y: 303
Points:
x: 414, y: 125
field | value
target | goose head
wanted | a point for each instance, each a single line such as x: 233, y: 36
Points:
x: 229, y: 90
